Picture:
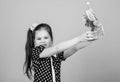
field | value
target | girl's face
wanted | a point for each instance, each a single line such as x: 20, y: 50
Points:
x: 42, y: 38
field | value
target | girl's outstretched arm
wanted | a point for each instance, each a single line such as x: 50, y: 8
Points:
x: 88, y: 36
x: 98, y: 32
x: 74, y: 49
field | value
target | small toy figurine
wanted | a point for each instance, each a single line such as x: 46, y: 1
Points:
x: 90, y: 17
x: 92, y: 21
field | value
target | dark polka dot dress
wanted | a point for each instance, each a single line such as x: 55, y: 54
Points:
x: 42, y: 66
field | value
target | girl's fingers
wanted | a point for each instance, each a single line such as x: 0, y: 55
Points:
x: 90, y: 36
x: 92, y: 39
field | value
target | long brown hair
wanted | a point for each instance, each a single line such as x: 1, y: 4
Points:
x: 30, y: 45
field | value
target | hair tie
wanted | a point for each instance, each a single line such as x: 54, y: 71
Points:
x: 33, y: 26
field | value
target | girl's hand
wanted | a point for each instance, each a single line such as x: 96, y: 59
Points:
x: 88, y: 36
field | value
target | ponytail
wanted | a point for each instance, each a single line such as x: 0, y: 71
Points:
x: 30, y: 44
x: 28, y: 49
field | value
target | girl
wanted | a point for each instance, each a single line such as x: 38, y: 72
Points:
x: 43, y: 58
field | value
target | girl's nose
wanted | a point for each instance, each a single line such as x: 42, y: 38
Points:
x: 42, y: 41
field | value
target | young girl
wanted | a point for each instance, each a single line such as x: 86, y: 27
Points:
x: 43, y: 58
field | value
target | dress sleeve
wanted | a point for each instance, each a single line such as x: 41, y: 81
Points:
x: 36, y: 52
x: 61, y: 56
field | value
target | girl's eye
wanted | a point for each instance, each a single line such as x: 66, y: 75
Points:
x: 46, y: 37
x: 39, y: 39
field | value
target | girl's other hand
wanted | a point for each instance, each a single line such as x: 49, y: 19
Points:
x: 88, y: 36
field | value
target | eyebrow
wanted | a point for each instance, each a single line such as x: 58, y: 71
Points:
x: 40, y: 37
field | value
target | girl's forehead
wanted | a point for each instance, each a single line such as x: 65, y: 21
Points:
x: 41, y: 32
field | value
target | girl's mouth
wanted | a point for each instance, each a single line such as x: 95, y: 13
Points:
x: 44, y: 45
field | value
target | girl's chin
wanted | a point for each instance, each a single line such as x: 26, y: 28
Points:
x: 46, y: 46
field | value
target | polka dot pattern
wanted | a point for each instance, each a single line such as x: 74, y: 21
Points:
x: 42, y: 66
